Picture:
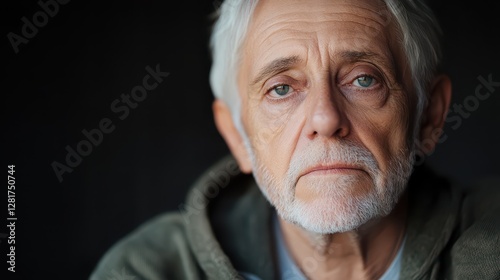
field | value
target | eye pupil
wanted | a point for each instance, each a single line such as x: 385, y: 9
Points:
x: 365, y: 81
x: 282, y: 90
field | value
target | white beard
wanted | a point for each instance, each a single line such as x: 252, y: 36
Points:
x: 335, y: 208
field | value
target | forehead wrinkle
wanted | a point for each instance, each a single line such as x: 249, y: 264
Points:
x: 284, y: 31
x: 376, y: 13
x: 317, y: 25
x: 267, y: 48
x: 267, y: 23
x: 296, y: 41
x: 291, y: 36
x: 347, y: 10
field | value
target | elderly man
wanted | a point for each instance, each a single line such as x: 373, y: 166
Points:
x: 327, y: 103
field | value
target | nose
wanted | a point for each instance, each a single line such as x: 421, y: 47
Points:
x: 325, y: 116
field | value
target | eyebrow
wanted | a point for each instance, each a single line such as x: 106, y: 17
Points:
x: 357, y: 55
x: 276, y: 66
x: 353, y: 56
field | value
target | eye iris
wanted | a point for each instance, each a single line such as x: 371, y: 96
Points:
x: 365, y: 81
x: 282, y: 90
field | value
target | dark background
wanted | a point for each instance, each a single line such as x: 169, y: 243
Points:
x: 66, y: 77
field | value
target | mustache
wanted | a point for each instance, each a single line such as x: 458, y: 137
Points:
x: 332, y: 153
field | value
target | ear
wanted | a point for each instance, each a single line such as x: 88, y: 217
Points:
x: 435, y: 113
x: 234, y: 140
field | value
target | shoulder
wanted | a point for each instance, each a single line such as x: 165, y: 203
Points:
x: 475, y: 252
x: 481, y: 199
x: 146, y: 252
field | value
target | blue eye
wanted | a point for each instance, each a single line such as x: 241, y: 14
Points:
x: 364, y: 81
x: 282, y: 90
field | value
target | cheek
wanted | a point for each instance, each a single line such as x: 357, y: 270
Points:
x: 384, y: 132
x: 273, y: 135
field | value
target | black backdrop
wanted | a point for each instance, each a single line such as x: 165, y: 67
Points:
x: 64, y: 79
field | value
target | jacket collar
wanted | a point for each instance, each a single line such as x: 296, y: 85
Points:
x: 229, y: 228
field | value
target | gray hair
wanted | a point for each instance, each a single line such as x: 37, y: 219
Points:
x: 419, y: 35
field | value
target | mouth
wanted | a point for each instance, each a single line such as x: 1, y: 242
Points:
x: 339, y: 168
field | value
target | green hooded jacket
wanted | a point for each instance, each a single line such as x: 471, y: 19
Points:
x: 224, y: 228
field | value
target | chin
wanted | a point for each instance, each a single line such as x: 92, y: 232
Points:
x: 342, y: 205
x: 333, y: 215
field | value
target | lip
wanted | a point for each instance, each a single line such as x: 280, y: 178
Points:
x: 338, y: 168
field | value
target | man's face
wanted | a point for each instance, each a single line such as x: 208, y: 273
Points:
x: 327, y: 110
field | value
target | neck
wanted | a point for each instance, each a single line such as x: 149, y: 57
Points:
x: 364, y: 253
